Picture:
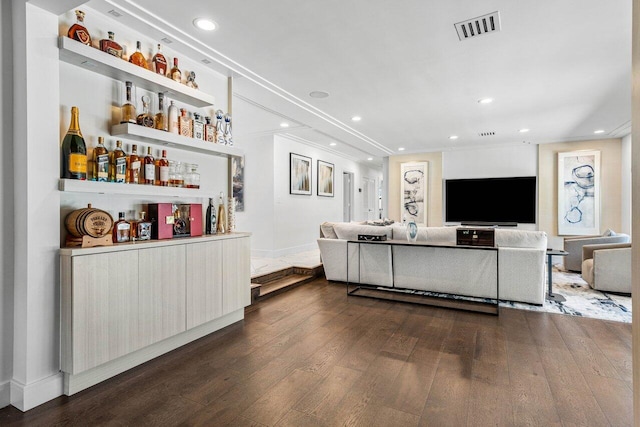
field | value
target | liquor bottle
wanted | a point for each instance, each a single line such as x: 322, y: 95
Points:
x: 73, y: 159
x: 162, y: 170
x: 160, y: 121
x: 145, y: 118
x: 117, y: 164
x: 175, y: 72
x: 110, y: 46
x: 128, y: 109
x: 209, y: 130
x: 121, y: 229
x: 78, y: 31
x: 159, y: 62
x: 149, y: 168
x: 222, y: 220
x: 138, y: 58
x: 133, y: 167
x: 210, y: 219
x: 100, y: 162
x: 173, y: 126
x: 184, y: 124
x: 143, y: 227
x: 198, y: 127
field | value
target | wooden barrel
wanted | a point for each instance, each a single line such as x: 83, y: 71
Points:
x: 88, y: 222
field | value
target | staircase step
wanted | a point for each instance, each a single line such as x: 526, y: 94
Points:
x: 282, y: 284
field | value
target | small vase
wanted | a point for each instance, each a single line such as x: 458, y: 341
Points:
x: 412, y: 231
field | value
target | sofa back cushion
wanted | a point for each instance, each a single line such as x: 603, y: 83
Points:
x: 521, y: 239
x: 441, y: 235
x: 348, y: 231
x: 326, y: 230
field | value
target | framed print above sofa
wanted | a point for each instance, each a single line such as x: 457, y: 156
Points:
x: 413, y: 191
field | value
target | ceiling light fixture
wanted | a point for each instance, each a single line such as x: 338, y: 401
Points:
x: 369, y: 158
x: 523, y: 130
x: 356, y: 118
x: 318, y: 94
x: 453, y: 137
x: 401, y: 149
x: 205, y: 24
x: 284, y: 125
x: 485, y: 100
x: 599, y: 131
x: 333, y: 144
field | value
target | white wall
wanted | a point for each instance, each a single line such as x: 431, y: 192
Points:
x: 6, y: 204
x: 494, y: 162
x: 625, y: 186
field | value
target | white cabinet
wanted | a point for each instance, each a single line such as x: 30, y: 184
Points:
x: 236, y: 262
x: 204, y: 282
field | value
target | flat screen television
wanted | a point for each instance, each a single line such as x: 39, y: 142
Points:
x: 493, y: 201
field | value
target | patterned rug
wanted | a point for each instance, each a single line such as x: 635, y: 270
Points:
x: 581, y: 300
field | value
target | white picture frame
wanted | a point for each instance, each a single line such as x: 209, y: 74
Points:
x: 414, y: 183
x: 579, y: 193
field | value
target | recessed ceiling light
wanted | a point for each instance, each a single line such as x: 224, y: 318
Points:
x: 453, y: 137
x: 318, y: 94
x: 356, y: 118
x: 485, y: 100
x: 284, y: 125
x: 401, y: 149
x: 599, y: 131
x: 205, y: 24
x: 333, y: 144
x: 523, y: 130
x: 369, y: 158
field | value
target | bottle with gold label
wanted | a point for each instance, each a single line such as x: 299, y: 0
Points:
x: 110, y: 46
x: 128, y: 109
x: 73, y: 159
x: 134, y: 164
x: 117, y: 164
x: 78, y: 31
x: 138, y: 58
x: 175, y: 72
x: 159, y: 62
x: 160, y: 121
x: 145, y: 118
x: 100, y: 162
x: 184, y: 123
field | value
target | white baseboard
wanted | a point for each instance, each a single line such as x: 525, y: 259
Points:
x: 5, y: 394
x: 28, y: 396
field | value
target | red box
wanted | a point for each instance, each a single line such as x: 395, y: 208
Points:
x: 171, y: 220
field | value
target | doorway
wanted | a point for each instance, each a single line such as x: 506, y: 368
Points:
x: 369, y: 198
x: 347, y: 196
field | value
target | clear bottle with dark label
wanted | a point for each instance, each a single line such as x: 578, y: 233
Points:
x: 73, y: 158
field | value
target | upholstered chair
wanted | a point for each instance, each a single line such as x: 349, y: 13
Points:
x: 607, y: 267
x: 573, y: 245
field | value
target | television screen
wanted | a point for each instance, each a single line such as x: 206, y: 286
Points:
x: 491, y: 200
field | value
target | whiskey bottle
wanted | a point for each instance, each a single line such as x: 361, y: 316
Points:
x: 173, y: 126
x: 121, y: 229
x: 144, y: 227
x: 100, y: 162
x: 149, y: 168
x: 78, y: 31
x: 128, y: 109
x: 159, y: 62
x: 73, y: 159
x: 145, y: 119
x: 110, y: 46
x: 184, y: 124
x: 222, y: 221
x: 175, y: 72
x: 198, y: 127
x: 133, y: 167
x: 138, y: 58
x: 210, y: 219
x: 162, y: 170
x: 117, y: 164
x: 209, y: 130
x: 160, y: 121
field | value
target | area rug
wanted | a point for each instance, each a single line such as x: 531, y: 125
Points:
x: 581, y: 300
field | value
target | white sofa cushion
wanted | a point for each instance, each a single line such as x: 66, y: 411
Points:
x: 441, y: 235
x: 521, y: 239
x: 346, y: 231
x: 327, y: 230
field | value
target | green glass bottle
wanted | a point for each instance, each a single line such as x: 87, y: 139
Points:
x: 73, y: 159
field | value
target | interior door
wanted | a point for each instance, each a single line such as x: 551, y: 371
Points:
x: 369, y: 198
x: 347, y: 196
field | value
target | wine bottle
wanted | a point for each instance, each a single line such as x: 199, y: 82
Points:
x: 73, y: 159
x: 210, y: 226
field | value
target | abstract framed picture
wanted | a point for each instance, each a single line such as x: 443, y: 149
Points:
x: 325, y: 178
x: 414, y: 177
x: 236, y: 170
x: 299, y: 174
x: 579, y: 193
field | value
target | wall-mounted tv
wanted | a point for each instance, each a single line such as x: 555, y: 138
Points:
x: 491, y: 200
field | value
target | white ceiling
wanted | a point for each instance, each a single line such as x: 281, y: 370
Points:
x: 559, y: 68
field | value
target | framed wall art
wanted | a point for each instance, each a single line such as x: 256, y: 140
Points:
x: 299, y: 174
x: 236, y: 170
x: 579, y: 193
x: 325, y: 178
x: 414, y: 178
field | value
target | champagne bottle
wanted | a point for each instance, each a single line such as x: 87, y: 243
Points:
x: 73, y: 159
x: 210, y: 226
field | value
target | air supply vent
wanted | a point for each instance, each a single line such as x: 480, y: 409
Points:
x: 475, y: 27
x: 205, y: 61
x: 115, y: 13
x: 486, y: 133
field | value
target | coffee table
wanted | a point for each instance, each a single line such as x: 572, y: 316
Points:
x: 550, y: 295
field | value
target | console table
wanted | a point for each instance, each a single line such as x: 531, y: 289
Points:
x: 551, y: 253
x: 417, y: 289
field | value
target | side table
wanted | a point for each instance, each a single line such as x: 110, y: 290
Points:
x: 550, y: 295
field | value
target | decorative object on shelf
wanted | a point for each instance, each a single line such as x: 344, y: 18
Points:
x: 145, y: 118
x: 159, y: 62
x: 198, y: 127
x: 88, y: 227
x: 412, y: 231
x: 579, y: 193
x: 111, y: 46
x: 228, y: 138
x: 184, y: 123
x: 160, y: 121
x: 236, y: 170
x: 219, y: 127
x: 137, y: 58
x: 175, y: 220
x: 221, y: 226
x: 231, y: 217
x: 413, y: 191
x: 143, y: 228
x: 191, y: 80
x: 209, y: 130
x: 118, y: 164
x: 128, y: 109
x: 73, y: 159
x: 78, y: 31
x: 175, y: 72
x: 299, y: 174
x: 100, y: 162
x: 325, y: 178
x: 211, y: 218
x: 176, y: 174
x: 173, y: 126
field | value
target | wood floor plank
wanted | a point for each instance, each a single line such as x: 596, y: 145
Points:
x: 532, y: 401
x: 448, y: 398
x: 294, y: 418
x: 486, y: 405
x: 410, y: 389
x: 614, y: 397
x: 321, y: 401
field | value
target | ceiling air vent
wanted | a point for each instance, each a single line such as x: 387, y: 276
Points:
x: 486, y: 133
x: 475, y: 27
x: 205, y: 61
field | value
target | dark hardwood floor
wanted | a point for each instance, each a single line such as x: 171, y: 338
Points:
x: 315, y: 357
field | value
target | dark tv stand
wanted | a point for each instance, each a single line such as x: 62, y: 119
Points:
x: 489, y: 224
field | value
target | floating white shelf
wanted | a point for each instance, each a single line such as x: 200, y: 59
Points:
x: 78, y: 186
x: 166, y: 139
x: 95, y: 60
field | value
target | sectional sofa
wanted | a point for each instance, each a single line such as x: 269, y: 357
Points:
x: 521, y: 257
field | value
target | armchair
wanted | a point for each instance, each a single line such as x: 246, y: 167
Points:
x: 574, y: 246
x: 607, y: 267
